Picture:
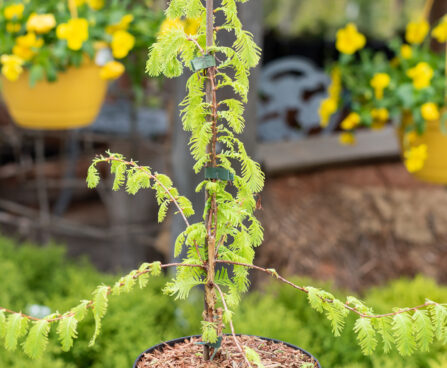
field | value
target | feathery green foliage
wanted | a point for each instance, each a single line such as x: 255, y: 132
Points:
x: 100, y: 302
x: 66, y: 331
x: 37, y: 339
x: 366, y: 335
x: 253, y: 357
x: 16, y: 327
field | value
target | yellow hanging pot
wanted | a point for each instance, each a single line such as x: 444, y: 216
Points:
x: 435, y: 166
x: 73, y: 101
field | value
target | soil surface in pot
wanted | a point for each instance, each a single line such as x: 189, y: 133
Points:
x: 189, y: 354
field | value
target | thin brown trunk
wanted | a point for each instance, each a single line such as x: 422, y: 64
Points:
x: 211, y: 218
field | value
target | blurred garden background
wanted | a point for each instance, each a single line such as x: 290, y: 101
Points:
x: 349, y: 218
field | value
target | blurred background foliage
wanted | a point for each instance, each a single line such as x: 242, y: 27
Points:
x: 44, y: 276
x: 321, y: 18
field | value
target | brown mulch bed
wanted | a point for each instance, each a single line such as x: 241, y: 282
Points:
x: 189, y: 354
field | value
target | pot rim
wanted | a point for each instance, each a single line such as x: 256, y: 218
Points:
x: 181, y: 339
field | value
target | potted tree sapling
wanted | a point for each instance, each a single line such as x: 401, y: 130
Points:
x: 219, y: 249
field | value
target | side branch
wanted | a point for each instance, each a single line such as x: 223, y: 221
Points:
x: 89, y: 303
x: 153, y: 177
x: 273, y: 273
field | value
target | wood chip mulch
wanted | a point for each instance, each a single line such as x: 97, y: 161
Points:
x: 189, y: 354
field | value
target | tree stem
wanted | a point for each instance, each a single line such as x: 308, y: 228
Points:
x: 211, y: 217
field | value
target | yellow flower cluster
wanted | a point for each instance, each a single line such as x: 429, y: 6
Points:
x: 379, y: 82
x: 190, y: 25
x: 122, y: 43
x: 14, y: 11
x: 349, y: 40
x: 440, y: 32
x: 12, y: 27
x: 417, y: 31
x: 415, y: 158
x: 380, y: 118
x: 351, y: 121
x: 430, y: 111
x: 406, y: 51
x: 329, y: 106
x: 40, y: 23
x: 347, y: 139
x: 94, y: 4
x: 112, y: 70
x: 122, y: 25
x: 421, y: 74
x: 26, y: 46
x: 75, y: 32
x: 12, y: 66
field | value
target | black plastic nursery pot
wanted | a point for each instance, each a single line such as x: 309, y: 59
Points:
x: 180, y: 340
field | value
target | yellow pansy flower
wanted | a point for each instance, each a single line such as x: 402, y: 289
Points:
x: 14, y: 11
x: 351, y: 121
x: 75, y: 32
x: 112, y: 70
x: 122, y: 43
x: 349, y: 40
x: 192, y: 25
x: 380, y: 118
x: 406, y: 51
x: 123, y: 24
x: 96, y: 4
x: 415, y: 158
x: 170, y: 23
x: 12, y: 66
x: 421, y: 74
x: 40, y: 23
x: 379, y: 82
x: 381, y: 114
x: 430, y: 111
x: 417, y: 31
x: 12, y: 27
x: 440, y: 32
x: 26, y: 46
x: 347, y: 139
x: 327, y: 108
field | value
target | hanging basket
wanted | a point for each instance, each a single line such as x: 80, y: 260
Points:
x: 435, y: 167
x: 73, y: 101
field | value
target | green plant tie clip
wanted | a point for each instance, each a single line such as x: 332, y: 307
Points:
x: 203, y: 62
x: 219, y: 173
x: 217, y: 345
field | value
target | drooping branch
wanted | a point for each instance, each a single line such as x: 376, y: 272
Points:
x: 89, y: 303
x: 153, y: 177
x: 273, y: 273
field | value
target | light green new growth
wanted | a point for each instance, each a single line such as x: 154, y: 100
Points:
x: 229, y: 230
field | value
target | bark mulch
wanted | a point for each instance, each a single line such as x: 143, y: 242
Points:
x: 189, y: 354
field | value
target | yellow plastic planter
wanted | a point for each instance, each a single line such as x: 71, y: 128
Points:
x: 73, y: 101
x: 435, y: 167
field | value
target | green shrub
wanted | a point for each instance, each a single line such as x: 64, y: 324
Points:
x: 44, y: 276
